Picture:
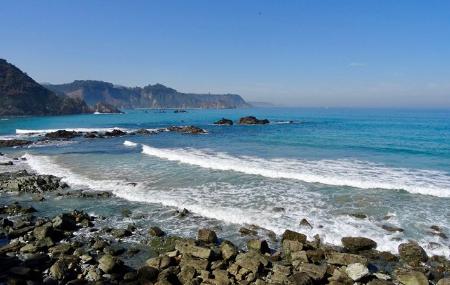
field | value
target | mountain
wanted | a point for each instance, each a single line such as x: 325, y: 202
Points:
x: 21, y: 95
x: 150, y: 96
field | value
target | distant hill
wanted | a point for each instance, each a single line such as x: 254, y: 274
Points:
x: 21, y: 95
x: 150, y: 96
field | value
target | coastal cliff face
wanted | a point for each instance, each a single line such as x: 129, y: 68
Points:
x: 21, y: 95
x: 150, y: 96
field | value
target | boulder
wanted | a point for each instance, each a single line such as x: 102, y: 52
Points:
x: 187, y: 129
x: 147, y: 274
x: 444, y: 281
x: 65, y: 222
x: 356, y: 271
x: 224, y: 121
x: 187, y: 248
x: 412, y: 278
x: 257, y: 245
x: 339, y: 258
x: 392, y: 228
x: 247, y: 232
x: 207, y: 235
x: 300, y: 278
x: 291, y: 235
x: 59, y: 270
x: 228, y: 250
x: 356, y: 244
x: 108, y: 263
x: 156, y: 232
x: 121, y: 233
x: 251, y: 120
x: 115, y: 133
x: 412, y: 253
x: 316, y: 272
x: 252, y: 261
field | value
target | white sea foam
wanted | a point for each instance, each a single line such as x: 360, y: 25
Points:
x: 248, y: 204
x: 342, y: 172
x: 130, y: 144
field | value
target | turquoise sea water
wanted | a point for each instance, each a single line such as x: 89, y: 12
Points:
x: 318, y: 164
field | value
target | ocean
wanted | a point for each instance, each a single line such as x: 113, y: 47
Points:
x: 348, y: 172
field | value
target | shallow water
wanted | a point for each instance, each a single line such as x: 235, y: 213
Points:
x: 323, y: 166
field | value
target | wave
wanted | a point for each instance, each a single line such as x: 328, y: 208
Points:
x: 130, y: 144
x: 341, y: 172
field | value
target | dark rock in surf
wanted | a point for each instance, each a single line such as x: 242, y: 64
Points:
x: 115, y: 133
x: 61, y: 135
x: 356, y: 244
x: 14, y: 143
x: 224, y: 121
x: 187, y: 130
x: 250, y: 120
x: 392, y: 228
x: 156, y: 232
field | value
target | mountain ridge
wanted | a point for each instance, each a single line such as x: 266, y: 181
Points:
x: 20, y: 95
x: 149, y: 96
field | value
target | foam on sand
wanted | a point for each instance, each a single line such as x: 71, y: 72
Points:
x: 340, y: 172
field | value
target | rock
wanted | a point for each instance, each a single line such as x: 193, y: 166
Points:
x: 412, y: 253
x: 358, y: 215
x: 252, y: 261
x: 207, y: 235
x: 115, y: 133
x: 186, y: 274
x: 183, y: 213
x: 316, y: 272
x: 29, y: 248
x: 160, y: 262
x: 13, y: 143
x: 291, y: 235
x: 6, y: 163
x: 144, y: 132
x: 224, y: 121
x: 356, y: 244
x: 392, y: 228
x: 260, y: 246
x: 61, y: 134
x: 247, y: 232
x: 108, y: 263
x: 59, y: 270
x: 380, y: 282
x: 198, y: 264
x: 193, y: 250
x: 228, y: 250
x: 315, y: 256
x: 339, y: 258
x: 65, y: 222
x: 156, y: 232
x: 187, y: 130
x: 250, y: 120
x: 180, y: 111
x: 356, y: 271
x: 300, y: 278
x: 290, y: 246
x: 121, y: 233
x: 412, y: 278
x: 147, y: 274
x: 305, y: 223
x: 444, y: 281
x: 126, y: 212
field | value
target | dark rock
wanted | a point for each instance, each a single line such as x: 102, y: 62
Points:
x: 301, y: 278
x: 6, y: 163
x: 228, y: 250
x: 250, y: 120
x: 156, y: 232
x: 65, y: 222
x: 180, y: 111
x: 183, y: 213
x: 358, y: 215
x: 207, y: 235
x: 144, y: 132
x: 247, y: 232
x: 59, y: 270
x: 291, y: 235
x: 120, y: 233
x: 305, y: 223
x: 108, y: 263
x: 14, y: 142
x: 187, y: 129
x: 392, y: 228
x: 339, y: 258
x: 260, y: 246
x: 61, y: 134
x: 412, y: 253
x: 356, y: 244
x: 315, y: 272
x: 115, y: 133
x: 147, y: 274
x: 224, y: 121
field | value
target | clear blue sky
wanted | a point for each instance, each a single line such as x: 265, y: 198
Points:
x: 305, y: 53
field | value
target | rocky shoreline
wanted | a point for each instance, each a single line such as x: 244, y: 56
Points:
x: 42, y: 250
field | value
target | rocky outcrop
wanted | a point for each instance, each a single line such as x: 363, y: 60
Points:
x: 61, y: 135
x: 224, y: 121
x: 21, y: 95
x: 187, y: 130
x: 14, y: 143
x: 250, y: 120
x: 105, y: 108
x: 25, y: 182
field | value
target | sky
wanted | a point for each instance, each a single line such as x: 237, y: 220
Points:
x: 370, y: 53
